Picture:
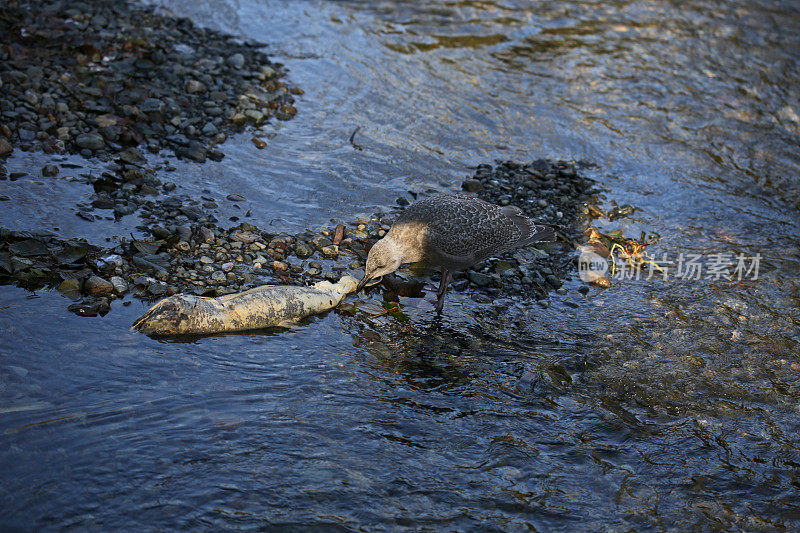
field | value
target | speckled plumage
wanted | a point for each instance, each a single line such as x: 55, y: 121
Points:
x: 452, y: 231
x: 463, y: 230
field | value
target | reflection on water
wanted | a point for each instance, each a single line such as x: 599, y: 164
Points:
x: 671, y: 405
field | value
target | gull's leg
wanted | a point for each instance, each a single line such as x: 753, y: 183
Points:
x: 442, y: 290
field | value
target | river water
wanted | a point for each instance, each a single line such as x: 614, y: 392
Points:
x: 666, y: 404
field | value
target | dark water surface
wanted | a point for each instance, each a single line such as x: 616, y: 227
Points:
x: 654, y: 404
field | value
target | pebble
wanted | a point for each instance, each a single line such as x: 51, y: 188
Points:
x: 472, y: 185
x: 207, y: 234
x: 5, y: 148
x: 480, y: 279
x: 330, y: 251
x: 303, y: 251
x: 98, y: 286
x: 90, y: 141
x: 120, y: 286
x: 194, y: 86
x: 49, y: 171
x: 236, y: 61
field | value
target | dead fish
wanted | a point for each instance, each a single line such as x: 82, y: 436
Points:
x: 261, y: 307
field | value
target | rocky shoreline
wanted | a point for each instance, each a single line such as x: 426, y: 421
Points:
x: 189, y: 253
x: 96, y: 78
x: 113, y: 81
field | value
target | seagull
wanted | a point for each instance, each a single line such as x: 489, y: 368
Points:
x: 451, y: 231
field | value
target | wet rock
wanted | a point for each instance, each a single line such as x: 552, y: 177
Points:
x: 194, y: 151
x: 255, y: 115
x: 103, y: 202
x: 243, y: 237
x: 49, y: 171
x: 480, y: 279
x: 121, y: 210
x: 553, y: 281
x: 120, y: 286
x: 320, y: 242
x: 331, y: 251
x: 194, y: 87
x: 160, y: 232
x: 157, y: 288
x: 192, y: 212
x: 19, y: 264
x: 185, y: 233
x: 71, y: 288
x: 303, y: 250
x: 132, y: 155
x: 236, y: 61
x: 5, y: 148
x: 29, y: 248
x: 90, y: 141
x: 98, y: 286
x: 472, y: 185
x: 91, y: 308
x: 207, y: 234
x: 260, y: 143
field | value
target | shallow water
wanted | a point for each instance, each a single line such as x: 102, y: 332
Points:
x: 668, y: 404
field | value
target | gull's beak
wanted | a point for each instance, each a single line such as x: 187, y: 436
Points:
x: 368, y: 282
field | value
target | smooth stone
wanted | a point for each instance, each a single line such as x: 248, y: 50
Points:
x: 98, y: 286
x: 472, y: 185
x: 194, y: 86
x: 256, y: 116
x: 236, y: 61
x: 90, y: 141
x: 303, y: 250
